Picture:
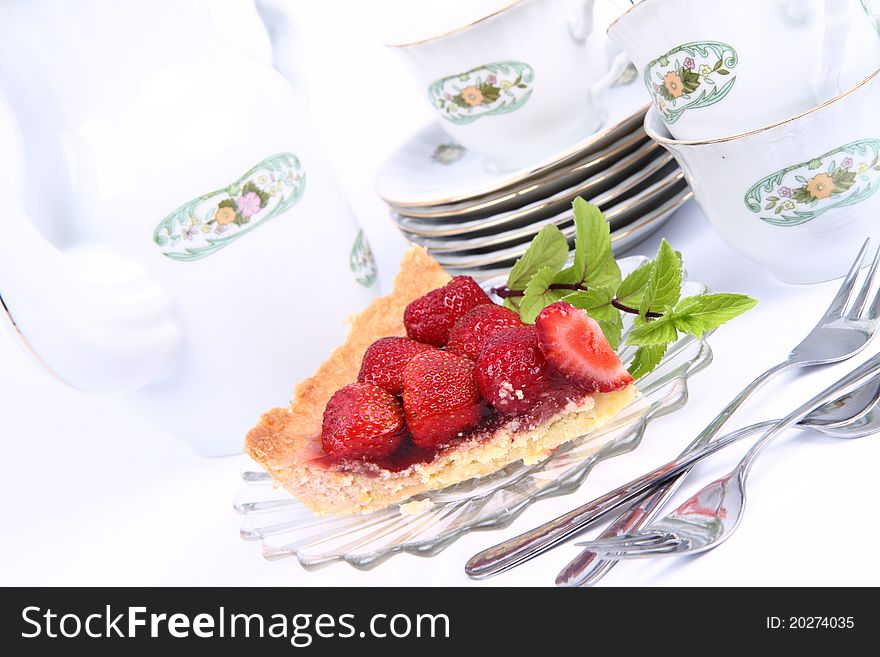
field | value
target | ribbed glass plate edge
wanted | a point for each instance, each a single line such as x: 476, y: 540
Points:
x: 287, y: 529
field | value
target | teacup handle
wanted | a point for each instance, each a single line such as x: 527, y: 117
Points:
x: 618, y: 65
x: 825, y: 79
x: 581, y: 24
x: 581, y: 28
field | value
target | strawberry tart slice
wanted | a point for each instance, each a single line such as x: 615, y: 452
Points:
x: 436, y: 385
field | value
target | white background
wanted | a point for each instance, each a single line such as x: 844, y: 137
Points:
x: 91, y: 494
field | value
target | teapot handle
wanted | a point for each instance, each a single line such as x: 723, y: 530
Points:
x: 286, y: 40
x: 90, y: 316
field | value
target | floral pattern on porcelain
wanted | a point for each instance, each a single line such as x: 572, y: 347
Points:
x: 691, y: 76
x: 361, y: 261
x: 448, y: 153
x: 216, y: 219
x: 489, y: 89
x: 839, y: 178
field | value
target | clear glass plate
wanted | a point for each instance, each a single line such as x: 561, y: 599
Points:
x: 288, y: 529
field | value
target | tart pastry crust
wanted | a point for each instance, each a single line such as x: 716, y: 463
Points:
x: 287, y: 441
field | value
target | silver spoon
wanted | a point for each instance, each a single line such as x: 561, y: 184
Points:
x: 711, y: 516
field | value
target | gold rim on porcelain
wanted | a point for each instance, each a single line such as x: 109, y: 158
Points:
x: 500, y: 220
x: 517, y: 250
x: 720, y: 140
x: 441, y: 246
x: 658, y: 214
x: 455, y: 30
x: 27, y: 345
x: 431, y: 229
x: 642, y: 150
x: 582, y: 148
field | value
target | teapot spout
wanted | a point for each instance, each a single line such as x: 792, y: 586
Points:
x: 90, y: 316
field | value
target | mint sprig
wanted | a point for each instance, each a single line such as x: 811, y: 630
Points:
x: 549, y: 249
x: 593, y: 283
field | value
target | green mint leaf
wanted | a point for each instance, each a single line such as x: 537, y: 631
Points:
x: 592, y: 238
x: 549, y: 248
x: 612, y: 327
x: 591, y: 300
x: 646, y: 359
x: 513, y: 303
x: 652, y: 332
x: 537, y: 296
x: 608, y: 275
x: 594, y: 264
x: 633, y: 287
x: 664, y: 281
x: 703, y: 312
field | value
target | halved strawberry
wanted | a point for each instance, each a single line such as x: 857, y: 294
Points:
x: 512, y: 373
x: 385, y: 359
x: 361, y: 421
x: 430, y: 317
x: 474, y: 327
x: 440, y: 397
x: 574, y: 344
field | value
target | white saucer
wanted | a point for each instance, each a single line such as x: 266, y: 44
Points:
x: 621, y: 240
x: 601, y: 189
x: 621, y: 205
x: 482, y: 251
x: 619, y: 154
x: 430, y: 169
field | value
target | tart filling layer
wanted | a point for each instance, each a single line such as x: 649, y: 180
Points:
x: 287, y: 441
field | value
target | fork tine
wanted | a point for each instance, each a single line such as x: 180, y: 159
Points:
x: 625, y: 541
x: 843, y: 294
x: 858, y: 305
x: 874, y: 307
x: 642, y: 553
x: 669, y: 544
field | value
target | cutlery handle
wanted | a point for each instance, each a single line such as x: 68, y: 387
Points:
x: 521, y: 548
x: 587, y: 567
x: 518, y: 549
x: 576, y: 571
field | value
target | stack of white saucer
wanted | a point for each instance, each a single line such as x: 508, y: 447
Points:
x: 477, y: 222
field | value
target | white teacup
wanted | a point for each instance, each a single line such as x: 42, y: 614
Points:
x: 799, y: 196
x: 516, y: 83
x: 736, y: 66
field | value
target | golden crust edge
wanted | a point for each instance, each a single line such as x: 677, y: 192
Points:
x: 282, y: 433
x: 345, y: 493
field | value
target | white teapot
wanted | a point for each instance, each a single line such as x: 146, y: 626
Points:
x: 184, y: 239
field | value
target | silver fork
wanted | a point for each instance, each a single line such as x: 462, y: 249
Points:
x: 838, y: 335
x: 712, y: 515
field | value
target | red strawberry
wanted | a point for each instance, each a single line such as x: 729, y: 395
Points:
x: 361, y: 421
x: 511, y: 371
x: 574, y: 344
x: 475, y: 326
x: 439, y: 396
x: 430, y: 317
x: 385, y: 359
